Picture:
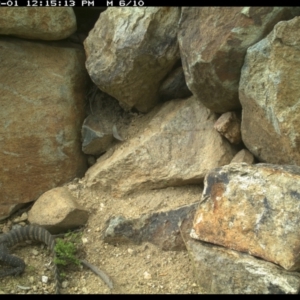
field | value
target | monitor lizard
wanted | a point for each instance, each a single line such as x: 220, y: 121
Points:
x: 29, y: 232
x: 36, y: 233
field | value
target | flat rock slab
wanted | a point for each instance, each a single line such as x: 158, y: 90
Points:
x: 177, y: 147
x: 254, y: 209
x: 222, y: 271
x: 162, y: 228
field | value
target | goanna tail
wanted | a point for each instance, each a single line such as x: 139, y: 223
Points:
x: 35, y: 233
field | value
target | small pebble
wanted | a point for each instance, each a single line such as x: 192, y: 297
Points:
x: 130, y: 251
x: 147, y: 275
x: 45, y: 279
x: 24, y: 216
x: 35, y: 252
x: 72, y: 187
x: 16, y: 220
x: 64, y: 284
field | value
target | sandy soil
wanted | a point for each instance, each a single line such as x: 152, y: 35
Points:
x: 142, y: 269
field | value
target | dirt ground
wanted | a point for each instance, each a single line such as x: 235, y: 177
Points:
x: 134, y: 269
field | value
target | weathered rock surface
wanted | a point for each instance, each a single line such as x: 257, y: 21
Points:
x: 131, y: 50
x: 244, y: 156
x: 57, y: 210
x: 269, y: 93
x: 222, y: 271
x: 174, y: 86
x: 229, y: 125
x: 179, y: 146
x: 38, y: 22
x: 42, y: 108
x: 213, y: 43
x: 160, y: 228
x: 254, y: 209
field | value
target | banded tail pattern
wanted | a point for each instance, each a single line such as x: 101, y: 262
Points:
x: 30, y: 232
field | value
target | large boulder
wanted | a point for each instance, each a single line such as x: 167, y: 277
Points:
x: 178, y: 146
x: 254, y: 209
x: 40, y: 23
x: 213, y: 42
x: 222, y: 271
x: 131, y: 50
x: 42, y: 108
x: 269, y: 94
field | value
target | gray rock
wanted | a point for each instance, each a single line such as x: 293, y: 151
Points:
x: 96, y: 135
x: 162, y: 228
x: 174, y: 86
x: 222, y: 271
x: 130, y: 51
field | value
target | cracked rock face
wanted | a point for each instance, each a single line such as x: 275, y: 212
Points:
x: 254, y: 209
